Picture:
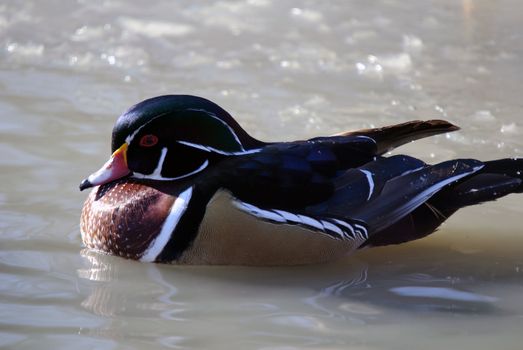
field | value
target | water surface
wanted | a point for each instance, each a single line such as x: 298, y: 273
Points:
x: 286, y: 70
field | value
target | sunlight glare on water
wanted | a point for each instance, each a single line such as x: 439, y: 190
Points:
x: 286, y: 70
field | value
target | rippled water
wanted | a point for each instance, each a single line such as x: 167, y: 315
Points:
x: 286, y: 70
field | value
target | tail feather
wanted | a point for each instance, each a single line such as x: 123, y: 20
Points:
x: 393, y: 136
x: 476, y: 190
x: 496, y: 179
x: 510, y: 167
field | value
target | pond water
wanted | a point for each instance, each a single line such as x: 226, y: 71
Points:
x: 286, y: 70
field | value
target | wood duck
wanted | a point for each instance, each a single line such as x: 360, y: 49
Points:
x: 186, y: 184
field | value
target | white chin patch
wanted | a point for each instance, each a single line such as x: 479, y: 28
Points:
x: 157, y: 173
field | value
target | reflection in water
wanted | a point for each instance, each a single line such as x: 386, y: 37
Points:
x: 101, y: 300
x: 441, y: 293
x: 110, y: 297
x: 350, y: 291
x: 309, y: 305
x: 109, y: 272
x: 98, y: 269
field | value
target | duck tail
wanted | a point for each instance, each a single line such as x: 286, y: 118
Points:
x: 496, y: 179
x: 393, y: 136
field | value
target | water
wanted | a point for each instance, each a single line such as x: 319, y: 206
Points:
x: 286, y: 70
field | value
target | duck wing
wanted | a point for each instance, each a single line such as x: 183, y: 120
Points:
x: 288, y: 168
x: 295, y: 174
x: 316, y: 184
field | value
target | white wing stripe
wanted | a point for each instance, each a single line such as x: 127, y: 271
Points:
x: 368, y: 174
x: 288, y: 216
x: 265, y: 214
x: 332, y: 228
x: 311, y: 222
x: 347, y: 225
x: 362, y: 231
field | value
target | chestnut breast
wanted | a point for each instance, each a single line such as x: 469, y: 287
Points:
x: 123, y: 218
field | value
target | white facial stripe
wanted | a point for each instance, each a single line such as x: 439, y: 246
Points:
x: 158, y: 171
x: 370, y: 180
x: 212, y: 115
x: 211, y: 149
x: 129, y: 138
x: 177, y: 210
x: 153, y: 177
x: 195, y: 145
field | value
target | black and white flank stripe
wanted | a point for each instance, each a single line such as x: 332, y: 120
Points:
x: 331, y: 227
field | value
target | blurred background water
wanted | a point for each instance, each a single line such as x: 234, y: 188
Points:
x: 286, y: 70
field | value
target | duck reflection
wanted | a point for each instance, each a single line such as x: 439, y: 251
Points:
x: 356, y: 289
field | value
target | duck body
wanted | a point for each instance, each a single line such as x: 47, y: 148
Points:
x: 187, y: 185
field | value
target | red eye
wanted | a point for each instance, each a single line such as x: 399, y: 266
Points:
x: 148, y: 140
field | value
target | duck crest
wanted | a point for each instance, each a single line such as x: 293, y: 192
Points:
x: 191, y: 118
x: 186, y: 184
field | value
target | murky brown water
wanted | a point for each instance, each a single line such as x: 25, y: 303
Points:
x: 286, y: 70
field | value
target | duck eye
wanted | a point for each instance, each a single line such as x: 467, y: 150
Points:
x: 148, y: 140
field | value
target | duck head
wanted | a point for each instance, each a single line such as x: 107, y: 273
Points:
x: 171, y: 137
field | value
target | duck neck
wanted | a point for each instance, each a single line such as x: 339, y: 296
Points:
x: 180, y: 227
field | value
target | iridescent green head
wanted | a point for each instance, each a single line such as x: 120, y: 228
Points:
x: 171, y: 137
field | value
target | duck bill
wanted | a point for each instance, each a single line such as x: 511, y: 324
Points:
x: 114, y: 169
